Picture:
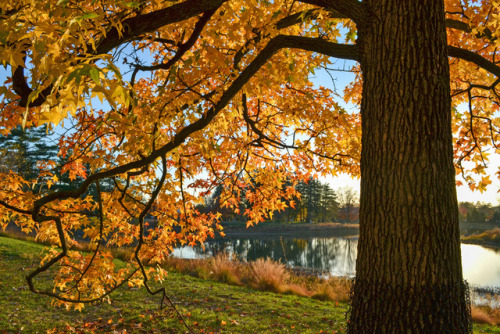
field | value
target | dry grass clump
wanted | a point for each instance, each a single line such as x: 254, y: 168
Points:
x: 492, y: 234
x: 264, y: 275
x: 269, y: 275
x: 485, y: 315
x: 193, y: 267
x: 333, y: 288
x: 298, y: 290
x: 218, y: 268
x: 222, y: 269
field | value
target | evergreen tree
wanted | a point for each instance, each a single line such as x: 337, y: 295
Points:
x: 328, y: 204
x: 22, y: 149
x: 318, y: 202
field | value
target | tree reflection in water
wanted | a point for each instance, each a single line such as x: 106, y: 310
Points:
x: 336, y: 256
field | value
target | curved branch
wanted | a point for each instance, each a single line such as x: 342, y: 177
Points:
x: 133, y: 27
x: 22, y: 89
x: 353, y: 9
x: 183, y: 48
x: 462, y: 26
x: 140, y: 24
x: 256, y: 130
x: 474, y: 58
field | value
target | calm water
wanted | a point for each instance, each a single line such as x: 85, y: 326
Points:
x: 337, y: 256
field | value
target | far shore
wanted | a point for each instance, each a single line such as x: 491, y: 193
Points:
x: 477, y: 234
x: 493, y: 244
x: 320, y: 230
x: 296, y: 230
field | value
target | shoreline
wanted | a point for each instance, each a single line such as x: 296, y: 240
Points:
x: 290, y: 231
x: 266, y: 231
x: 493, y: 244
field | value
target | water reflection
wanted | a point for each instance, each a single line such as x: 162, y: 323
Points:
x: 337, y: 256
x: 481, y: 265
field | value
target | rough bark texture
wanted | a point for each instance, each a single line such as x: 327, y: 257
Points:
x: 409, y: 273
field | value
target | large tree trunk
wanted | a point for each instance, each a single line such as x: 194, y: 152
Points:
x: 409, y: 273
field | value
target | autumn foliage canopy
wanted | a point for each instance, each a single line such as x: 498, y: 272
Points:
x: 165, y: 100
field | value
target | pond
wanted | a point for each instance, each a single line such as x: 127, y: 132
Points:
x: 337, y: 256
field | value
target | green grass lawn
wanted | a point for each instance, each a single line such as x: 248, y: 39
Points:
x: 207, y: 306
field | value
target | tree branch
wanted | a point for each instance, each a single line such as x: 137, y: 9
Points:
x: 459, y: 25
x: 282, y: 24
x: 183, y: 48
x: 353, y: 9
x: 474, y: 58
x: 16, y: 209
x: 140, y: 24
x: 133, y: 27
x: 22, y: 89
x: 343, y: 51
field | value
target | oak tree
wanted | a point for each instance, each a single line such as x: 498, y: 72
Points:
x: 169, y: 99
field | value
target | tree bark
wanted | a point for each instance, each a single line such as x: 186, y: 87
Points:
x: 409, y: 272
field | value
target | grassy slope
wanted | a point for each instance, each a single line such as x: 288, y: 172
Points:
x: 207, y: 306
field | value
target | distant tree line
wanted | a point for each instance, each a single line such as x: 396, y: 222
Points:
x: 478, y: 213
x: 23, y: 149
x: 318, y: 203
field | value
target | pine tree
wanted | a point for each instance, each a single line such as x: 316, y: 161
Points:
x: 23, y: 149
